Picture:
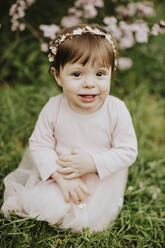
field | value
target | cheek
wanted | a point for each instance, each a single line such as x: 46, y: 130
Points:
x: 70, y: 89
x: 105, y: 87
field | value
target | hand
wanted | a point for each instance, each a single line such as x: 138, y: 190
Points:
x: 75, y: 188
x: 76, y: 165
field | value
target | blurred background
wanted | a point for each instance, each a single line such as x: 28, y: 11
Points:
x: 26, y: 28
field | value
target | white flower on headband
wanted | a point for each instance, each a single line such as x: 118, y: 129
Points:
x: 51, y: 57
x: 77, y: 31
x: 89, y: 29
x: 108, y: 37
x: 54, y: 50
x: 62, y: 38
x: 97, y: 31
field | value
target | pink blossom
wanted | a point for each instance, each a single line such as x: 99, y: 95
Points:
x: 15, y: 26
x: 50, y: 30
x: 112, y: 27
x: 124, y: 26
x: 72, y: 10
x: 22, y: 3
x: 90, y: 11
x: 115, y: 31
x: 141, y: 37
x: 17, y: 11
x: 146, y: 8
x: 108, y: 20
x: 69, y: 21
x: 97, y: 3
x: 142, y: 8
x: 79, y: 13
x: 131, y: 9
x: 81, y: 3
x: 122, y: 10
x: 141, y: 31
x: 22, y: 27
x: 155, y: 29
x: 13, y: 9
x: 15, y: 17
x: 75, y: 12
x: 44, y: 47
x: 127, y: 41
x: 21, y: 12
x: 158, y: 28
x: 124, y: 64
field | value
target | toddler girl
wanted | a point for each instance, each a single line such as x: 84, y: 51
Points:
x: 75, y: 170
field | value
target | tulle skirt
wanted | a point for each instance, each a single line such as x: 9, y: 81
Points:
x: 27, y: 196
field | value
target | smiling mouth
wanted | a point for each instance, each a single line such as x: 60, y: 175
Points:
x: 88, y: 98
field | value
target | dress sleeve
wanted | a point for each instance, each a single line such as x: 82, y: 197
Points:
x: 42, y: 144
x: 123, y: 151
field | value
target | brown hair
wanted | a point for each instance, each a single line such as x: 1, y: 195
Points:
x: 84, y: 48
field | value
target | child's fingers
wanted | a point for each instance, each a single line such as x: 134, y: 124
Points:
x: 66, y: 195
x: 75, y: 151
x: 72, y: 175
x: 65, y: 170
x: 81, y: 194
x: 84, y: 188
x: 64, y: 163
x: 66, y: 158
x: 75, y: 197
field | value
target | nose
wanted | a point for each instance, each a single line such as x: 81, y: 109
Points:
x: 89, y: 82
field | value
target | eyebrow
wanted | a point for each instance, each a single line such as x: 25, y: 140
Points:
x: 79, y: 66
x: 75, y: 67
x: 102, y: 68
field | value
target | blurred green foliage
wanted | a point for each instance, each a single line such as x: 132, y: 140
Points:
x: 22, y: 61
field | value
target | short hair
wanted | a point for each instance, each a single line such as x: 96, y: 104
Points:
x: 84, y: 48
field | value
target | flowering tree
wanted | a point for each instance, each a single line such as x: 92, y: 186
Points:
x: 127, y: 23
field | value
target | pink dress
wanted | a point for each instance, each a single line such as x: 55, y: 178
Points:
x: 108, y: 135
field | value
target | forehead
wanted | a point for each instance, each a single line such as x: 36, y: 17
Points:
x: 90, y: 66
x: 87, y: 49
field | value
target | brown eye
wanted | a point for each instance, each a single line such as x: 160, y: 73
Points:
x: 76, y: 74
x: 100, y: 74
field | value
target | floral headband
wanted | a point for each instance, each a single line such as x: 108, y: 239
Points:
x: 87, y: 29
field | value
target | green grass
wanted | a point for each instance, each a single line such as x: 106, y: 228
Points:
x: 141, y: 222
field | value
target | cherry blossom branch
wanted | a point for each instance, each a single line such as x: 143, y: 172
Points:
x: 127, y: 26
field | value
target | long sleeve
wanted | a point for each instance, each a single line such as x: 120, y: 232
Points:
x: 42, y: 143
x: 123, y: 151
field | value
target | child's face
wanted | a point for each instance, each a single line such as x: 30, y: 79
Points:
x: 85, y: 87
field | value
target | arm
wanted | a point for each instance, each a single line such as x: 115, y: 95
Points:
x: 122, y: 153
x: 42, y: 144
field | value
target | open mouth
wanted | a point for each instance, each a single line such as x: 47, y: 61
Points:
x: 88, y: 98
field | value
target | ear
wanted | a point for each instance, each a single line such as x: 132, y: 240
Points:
x: 56, y: 75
